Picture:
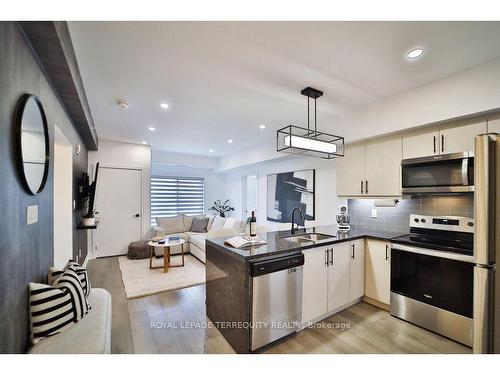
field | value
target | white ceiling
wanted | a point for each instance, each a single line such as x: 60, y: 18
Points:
x: 223, y: 79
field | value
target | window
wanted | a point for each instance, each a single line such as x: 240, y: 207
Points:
x: 171, y: 196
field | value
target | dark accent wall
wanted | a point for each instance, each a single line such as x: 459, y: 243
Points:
x: 26, y: 251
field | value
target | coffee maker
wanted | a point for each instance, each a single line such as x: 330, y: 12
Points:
x: 343, y: 219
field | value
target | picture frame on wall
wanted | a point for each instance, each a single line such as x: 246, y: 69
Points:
x: 288, y: 190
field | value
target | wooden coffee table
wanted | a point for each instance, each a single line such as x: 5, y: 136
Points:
x: 166, y: 253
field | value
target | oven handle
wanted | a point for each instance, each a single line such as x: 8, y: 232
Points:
x: 433, y: 253
x: 465, y: 172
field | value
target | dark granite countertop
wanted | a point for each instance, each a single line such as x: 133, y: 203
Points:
x: 277, y: 245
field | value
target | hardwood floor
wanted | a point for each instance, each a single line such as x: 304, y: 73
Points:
x: 158, y: 324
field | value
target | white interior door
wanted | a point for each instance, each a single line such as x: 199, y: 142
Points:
x: 118, y: 201
x: 63, y: 201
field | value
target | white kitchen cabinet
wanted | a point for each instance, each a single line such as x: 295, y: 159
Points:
x: 378, y: 270
x: 315, y: 283
x: 383, y: 168
x: 416, y: 146
x: 351, y: 171
x: 494, y: 126
x: 356, y: 269
x: 460, y: 139
x: 338, y: 276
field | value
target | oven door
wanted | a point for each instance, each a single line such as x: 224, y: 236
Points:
x: 440, y: 279
x: 438, y: 174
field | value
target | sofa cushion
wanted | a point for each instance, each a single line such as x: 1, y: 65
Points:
x: 229, y: 223
x: 91, y: 335
x: 218, y: 223
x: 199, y: 225
x: 198, y: 240
x: 188, y: 220
x: 171, y: 224
x: 210, y: 222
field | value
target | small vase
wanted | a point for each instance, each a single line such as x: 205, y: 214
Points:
x: 222, y: 214
x: 88, y: 221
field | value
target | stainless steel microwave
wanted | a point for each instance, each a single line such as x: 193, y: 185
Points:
x: 448, y: 173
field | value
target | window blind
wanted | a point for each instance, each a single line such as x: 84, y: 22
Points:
x: 171, y: 196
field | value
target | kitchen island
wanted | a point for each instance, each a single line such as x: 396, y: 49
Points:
x: 229, y: 280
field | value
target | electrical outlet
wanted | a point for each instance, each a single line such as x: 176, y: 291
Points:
x: 31, y: 214
x: 374, y: 212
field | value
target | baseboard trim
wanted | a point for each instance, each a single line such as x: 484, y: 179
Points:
x: 376, y: 303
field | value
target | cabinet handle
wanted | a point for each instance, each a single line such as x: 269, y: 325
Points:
x: 386, y: 249
x: 331, y: 256
x: 326, y: 257
x: 434, y: 144
x: 361, y: 186
x: 366, y: 184
x: 352, y: 256
x: 442, y: 142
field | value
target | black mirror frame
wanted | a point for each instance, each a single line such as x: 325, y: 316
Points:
x: 21, y: 104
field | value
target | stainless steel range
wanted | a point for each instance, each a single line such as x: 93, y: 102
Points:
x: 432, y: 275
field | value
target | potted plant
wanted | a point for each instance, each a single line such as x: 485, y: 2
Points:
x: 221, y: 207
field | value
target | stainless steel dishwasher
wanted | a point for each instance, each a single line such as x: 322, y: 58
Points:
x: 276, y: 298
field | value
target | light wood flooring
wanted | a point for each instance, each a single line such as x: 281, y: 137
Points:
x: 371, y: 330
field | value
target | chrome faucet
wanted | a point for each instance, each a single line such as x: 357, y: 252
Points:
x: 293, y: 221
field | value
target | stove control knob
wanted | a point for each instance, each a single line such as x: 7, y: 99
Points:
x: 423, y: 220
x: 416, y: 220
x: 470, y: 224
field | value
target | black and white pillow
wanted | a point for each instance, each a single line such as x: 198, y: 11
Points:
x: 82, y: 273
x: 56, y: 308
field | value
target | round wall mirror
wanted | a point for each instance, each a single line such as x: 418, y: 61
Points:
x: 32, y: 138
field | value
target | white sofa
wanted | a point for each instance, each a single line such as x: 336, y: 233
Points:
x: 91, y: 335
x: 195, y: 241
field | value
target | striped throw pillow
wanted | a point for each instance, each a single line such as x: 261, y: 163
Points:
x: 82, y: 273
x: 56, y: 308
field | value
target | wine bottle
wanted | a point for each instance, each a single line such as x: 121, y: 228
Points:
x: 253, y: 225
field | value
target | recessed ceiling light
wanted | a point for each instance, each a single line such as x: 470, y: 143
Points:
x: 122, y: 104
x: 144, y: 142
x: 415, y: 53
x: 229, y: 141
x: 210, y: 150
x: 262, y: 126
x: 151, y: 128
x: 164, y: 105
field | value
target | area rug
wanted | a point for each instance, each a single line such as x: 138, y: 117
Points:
x: 140, y: 281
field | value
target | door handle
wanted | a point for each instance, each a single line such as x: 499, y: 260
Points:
x: 352, y: 256
x: 434, y: 143
x: 386, y: 249
x: 361, y: 186
x: 366, y: 183
x: 442, y: 142
x: 331, y: 256
x: 326, y: 257
x: 137, y: 215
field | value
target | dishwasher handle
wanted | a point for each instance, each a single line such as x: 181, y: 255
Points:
x: 277, y: 264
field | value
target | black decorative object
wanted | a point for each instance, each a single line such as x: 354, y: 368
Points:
x: 32, y: 143
x: 86, y: 195
x: 308, y: 142
x: 221, y: 207
x: 288, y: 190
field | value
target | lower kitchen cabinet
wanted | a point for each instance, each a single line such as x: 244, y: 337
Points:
x: 315, y: 283
x: 356, y: 269
x: 338, y: 276
x: 378, y: 270
x: 333, y: 276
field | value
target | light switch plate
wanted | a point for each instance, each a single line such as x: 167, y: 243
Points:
x: 32, y: 214
x: 374, y: 212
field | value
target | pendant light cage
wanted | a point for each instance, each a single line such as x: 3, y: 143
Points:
x: 306, y: 141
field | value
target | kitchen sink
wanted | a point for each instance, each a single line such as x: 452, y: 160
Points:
x: 308, y: 237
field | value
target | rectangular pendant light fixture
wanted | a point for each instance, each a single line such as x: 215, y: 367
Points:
x: 309, y: 142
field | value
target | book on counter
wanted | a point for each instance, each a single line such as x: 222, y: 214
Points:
x: 239, y: 242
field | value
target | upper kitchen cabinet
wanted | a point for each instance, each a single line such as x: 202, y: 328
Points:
x: 442, y: 141
x: 370, y: 170
x: 416, y: 146
x: 494, y: 126
x: 460, y: 139
x: 351, y: 171
x: 383, y: 168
